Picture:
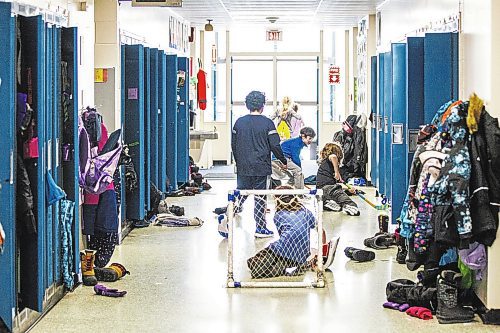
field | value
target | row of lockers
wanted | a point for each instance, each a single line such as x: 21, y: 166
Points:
x: 155, y: 118
x: 40, y: 59
x: 409, y: 84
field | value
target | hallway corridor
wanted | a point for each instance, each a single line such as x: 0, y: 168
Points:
x: 178, y: 275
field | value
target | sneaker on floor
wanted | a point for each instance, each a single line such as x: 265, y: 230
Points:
x: 332, y: 206
x: 329, y: 251
x: 359, y: 255
x: 351, y: 210
x: 263, y: 233
x: 223, y: 226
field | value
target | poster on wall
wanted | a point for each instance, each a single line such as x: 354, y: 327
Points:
x: 178, y: 34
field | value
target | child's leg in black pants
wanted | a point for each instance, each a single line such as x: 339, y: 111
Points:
x: 337, y: 194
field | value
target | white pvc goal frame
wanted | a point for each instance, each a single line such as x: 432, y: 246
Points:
x: 318, y: 282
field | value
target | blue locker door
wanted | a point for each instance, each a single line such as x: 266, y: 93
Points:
x: 56, y: 145
x: 123, y: 204
x: 171, y: 90
x: 7, y: 160
x: 153, y: 122
x: 387, y: 123
x: 49, y: 132
x: 134, y: 125
x: 34, y: 27
x: 380, y: 124
x: 183, y: 123
x: 440, y: 71
x: 162, y: 122
x: 399, y: 182
x: 147, y: 138
x: 415, y: 94
x: 69, y: 54
x: 373, y: 157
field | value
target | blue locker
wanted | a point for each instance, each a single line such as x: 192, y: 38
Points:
x: 183, y: 123
x: 440, y: 71
x: 56, y: 148
x: 134, y: 126
x: 7, y: 161
x: 162, y: 122
x: 49, y: 135
x: 147, y: 121
x: 380, y: 124
x: 387, y: 123
x: 123, y: 192
x: 69, y: 54
x: 171, y: 100
x: 399, y: 182
x: 153, y: 122
x: 35, y: 277
x: 415, y: 95
x: 374, y: 164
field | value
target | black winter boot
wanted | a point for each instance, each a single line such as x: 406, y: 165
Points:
x: 402, y: 247
x: 449, y: 311
x: 110, y: 274
x: 383, y: 223
x: 428, y: 276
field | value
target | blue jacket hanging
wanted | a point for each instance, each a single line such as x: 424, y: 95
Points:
x: 54, y: 192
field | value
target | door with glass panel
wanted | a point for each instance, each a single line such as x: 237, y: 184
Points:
x: 277, y: 76
x: 247, y: 74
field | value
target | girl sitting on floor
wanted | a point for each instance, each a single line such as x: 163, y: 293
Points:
x: 329, y: 179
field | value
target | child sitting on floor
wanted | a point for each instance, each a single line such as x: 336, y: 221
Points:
x: 292, y: 249
x: 329, y: 179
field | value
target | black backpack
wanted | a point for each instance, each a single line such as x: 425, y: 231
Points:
x: 92, y: 121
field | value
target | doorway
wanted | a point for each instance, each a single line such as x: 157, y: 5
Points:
x: 278, y: 75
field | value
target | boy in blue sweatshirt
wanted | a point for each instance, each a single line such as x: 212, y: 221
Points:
x: 291, y: 149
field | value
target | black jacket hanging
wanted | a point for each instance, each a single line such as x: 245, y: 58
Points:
x: 24, y: 199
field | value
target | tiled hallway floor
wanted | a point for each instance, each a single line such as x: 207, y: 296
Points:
x: 178, y: 277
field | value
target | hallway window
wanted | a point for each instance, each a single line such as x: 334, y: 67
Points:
x: 215, y: 67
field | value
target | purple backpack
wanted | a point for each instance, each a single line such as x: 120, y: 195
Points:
x: 96, y: 171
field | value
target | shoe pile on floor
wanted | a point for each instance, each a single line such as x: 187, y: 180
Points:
x: 92, y: 275
x: 438, y: 290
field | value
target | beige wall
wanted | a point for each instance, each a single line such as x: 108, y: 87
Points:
x: 371, y: 51
x: 401, y: 17
x: 149, y: 23
x: 479, y: 72
x: 84, y: 20
x: 107, y: 55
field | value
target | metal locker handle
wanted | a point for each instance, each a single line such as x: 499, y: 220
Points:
x: 11, y: 180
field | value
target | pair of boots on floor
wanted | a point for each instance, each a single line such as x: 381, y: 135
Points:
x: 444, y: 299
x: 93, y: 274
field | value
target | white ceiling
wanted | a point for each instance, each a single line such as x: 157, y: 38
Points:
x: 327, y: 13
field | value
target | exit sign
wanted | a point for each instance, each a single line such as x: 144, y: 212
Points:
x: 274, y: 35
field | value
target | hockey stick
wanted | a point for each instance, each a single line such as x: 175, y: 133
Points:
x: 362, y: 196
